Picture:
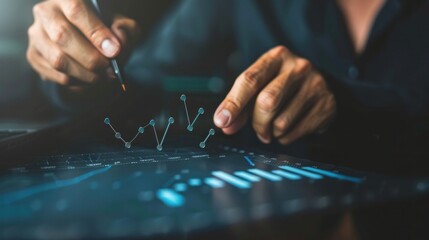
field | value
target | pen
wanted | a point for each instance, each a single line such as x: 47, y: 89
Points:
x: 113, y: 61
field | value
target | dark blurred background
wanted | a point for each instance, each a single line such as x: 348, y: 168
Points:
x: 17, y: 84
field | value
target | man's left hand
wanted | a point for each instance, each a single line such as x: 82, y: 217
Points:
x: 292, y: 99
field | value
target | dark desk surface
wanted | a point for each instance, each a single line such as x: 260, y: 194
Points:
x: 106, y: 191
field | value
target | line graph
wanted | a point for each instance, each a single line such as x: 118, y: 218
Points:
x: 141, y: 130
x: 211, y: 133
x: 190, y: 127
x: 152, y: 123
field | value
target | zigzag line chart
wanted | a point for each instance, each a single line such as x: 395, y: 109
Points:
x: 152, y: 123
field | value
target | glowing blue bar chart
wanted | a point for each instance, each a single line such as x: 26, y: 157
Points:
x: 213, y: 182
x: 265, y: 174
x: 249, y: 177
x: 194, y: 182
x: 231, y: 179
x: 286, y: 175
x: 180, y: 187
x: 302, y: 172
x: 170, y: 197
x: 334, y: 175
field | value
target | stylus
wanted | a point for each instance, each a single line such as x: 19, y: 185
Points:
x: 113, y: 61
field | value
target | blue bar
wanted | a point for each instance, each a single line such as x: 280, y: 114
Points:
x: 180, y: 187
x: 265, y: 175
x: 213, y: 182
x: 249, y: 177
x: 287, y: 175
x: 302, y: 172
x: 194, y: 182
x: 170, y: 198
x: 334, y: 175
x: 231, y: 179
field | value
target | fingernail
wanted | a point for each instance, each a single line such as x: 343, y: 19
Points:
x: 223, y: 118
x: 109, y: 47
x: 264, y: 140
x: 110, y: 73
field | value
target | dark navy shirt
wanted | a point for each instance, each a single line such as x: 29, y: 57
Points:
x: 389, y: 79
x: 382, y: 93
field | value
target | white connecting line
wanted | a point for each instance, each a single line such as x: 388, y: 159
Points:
x: 141, y: 131
x: 151, y: 123
x: 190, y: 127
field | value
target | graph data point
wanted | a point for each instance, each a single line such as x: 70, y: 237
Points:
x: 118, y: 135
x: 171, y: 120
x: 190, y: 128
x: 212, y: 132
x: 152, y: 122
x: 141, y: 129
x: 183, y: 97
x: 202, y: 144
x: 128, y: 145
x: 107, y: 121
x: 201, y: 111
x: 159, y: 148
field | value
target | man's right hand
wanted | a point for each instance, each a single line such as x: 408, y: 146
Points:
x: 68, y: 41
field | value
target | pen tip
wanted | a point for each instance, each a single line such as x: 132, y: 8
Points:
x: 123, y: 87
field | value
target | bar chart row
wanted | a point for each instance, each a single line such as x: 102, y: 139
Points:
x: 244, y: 180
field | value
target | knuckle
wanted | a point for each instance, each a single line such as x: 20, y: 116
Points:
x: 31, y: 31
x: 93, y: 63
x: 318, y: 82
x: 280, y: 51
x: 250, y: 78
x: 59, y: 61
x: 60, y: 34
x: 281, y: 123
x: 74, y: 10
x: 233, y: 105
x: 267, y: 101
x: 63, y: 80
x: 302, y: 65
x: 38, y: 9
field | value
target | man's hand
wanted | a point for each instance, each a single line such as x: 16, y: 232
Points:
x: 67, y: 40
x: 292, y: 99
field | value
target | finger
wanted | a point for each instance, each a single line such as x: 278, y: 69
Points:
x: 247, y: 85
x: 272, y: 98
x: 70, y: 40
x: 306, y: 97
x: 318, y: 117
x: 43, y: 68
x: 59, y: 60
x: 126, y: 29
x: 238, y: 124
x: 86, y: 20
